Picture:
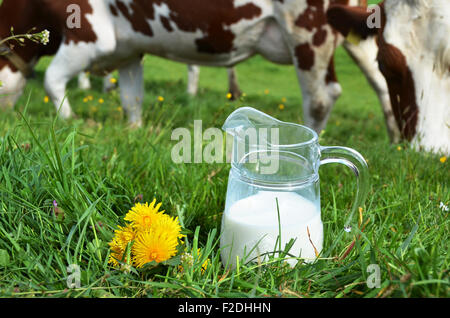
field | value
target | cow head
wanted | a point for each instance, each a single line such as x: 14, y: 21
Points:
x: 414, y: 57
x: 16, y: 60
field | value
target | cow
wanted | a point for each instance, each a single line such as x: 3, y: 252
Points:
x: 414, y: 57
x: 115, y: 34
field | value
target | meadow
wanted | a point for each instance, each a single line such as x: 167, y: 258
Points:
x: 95, y: 167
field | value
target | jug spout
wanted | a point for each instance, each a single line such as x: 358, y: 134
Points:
x: 245, y: 118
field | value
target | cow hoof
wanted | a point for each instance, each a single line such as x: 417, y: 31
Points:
x: 135, y: 125
x: 235, y: 95
x: 71, y: 115
x: 192, y: 93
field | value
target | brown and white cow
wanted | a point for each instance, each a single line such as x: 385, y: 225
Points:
x: 414, y: 57
x: 114, y: 34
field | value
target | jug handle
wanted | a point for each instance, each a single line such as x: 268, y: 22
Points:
x: 355, y: 161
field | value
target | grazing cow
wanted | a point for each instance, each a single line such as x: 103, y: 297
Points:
x: 414, y: 57
x: 114, y: 34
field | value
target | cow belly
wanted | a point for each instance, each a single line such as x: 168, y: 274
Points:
x: 264, y: 38
x: 189, y: 55
x: 195, y: 46
x: 181, y: 46
x: 272, y: 44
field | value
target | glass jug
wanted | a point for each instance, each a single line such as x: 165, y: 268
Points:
x: 273, y: 189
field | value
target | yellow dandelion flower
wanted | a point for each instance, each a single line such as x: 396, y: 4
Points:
x: 142, y: 216
x: 229, y: 95
x: 160, y: 98
x: 125, y: 234
x: 266, y: 91
x: 85, y: 100
x: 399, y: 148
x: 113, y: 80
x: 90, y: 97
x: 116, y: 253
x: 443, y: 159
x: 46, y: 99
x: 118, y: 245
x: 281, y: 106
x: 284, y: 100
x: 205, y: 264
x: 158, y: 243
x: 101, y: 100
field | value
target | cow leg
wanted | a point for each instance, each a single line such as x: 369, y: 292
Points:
x: 233, y: 85
x: 364, y: 56
x: 83, y: 81
x: 108, y: 83
x: 193, y: 79
x: 132, y: 90
x: 60, y: 71
x: 79, y: 52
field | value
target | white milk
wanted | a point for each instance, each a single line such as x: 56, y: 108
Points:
x: 253, y: 221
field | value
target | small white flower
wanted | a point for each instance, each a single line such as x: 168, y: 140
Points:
x: 45, y: 37
x: 187, y: 258
x: 347, y: 228
x: 443, y: 207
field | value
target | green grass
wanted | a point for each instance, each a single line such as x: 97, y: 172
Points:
x: 95, y: 166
